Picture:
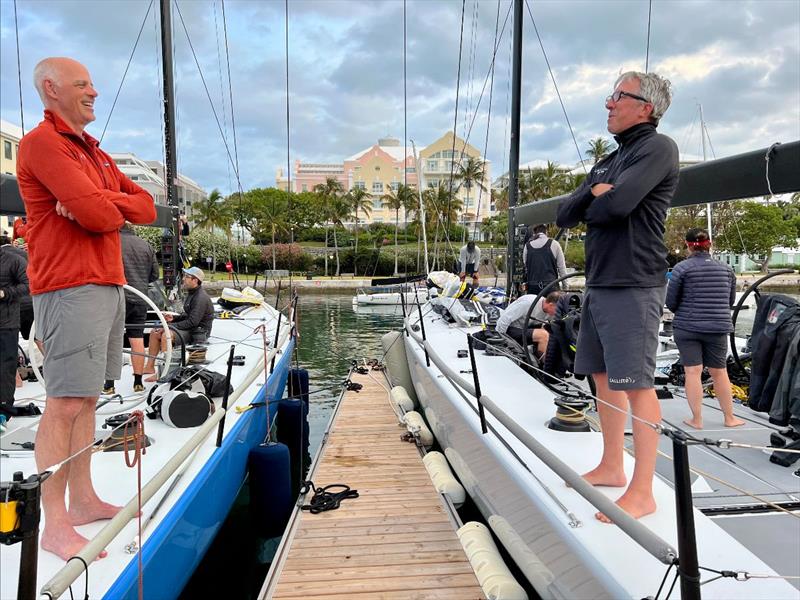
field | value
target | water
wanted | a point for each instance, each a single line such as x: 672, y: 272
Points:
x: 332, y: 335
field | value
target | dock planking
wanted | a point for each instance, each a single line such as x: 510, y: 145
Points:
x: 396, y: 540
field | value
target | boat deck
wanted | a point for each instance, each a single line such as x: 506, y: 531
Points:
x: 396, y: 540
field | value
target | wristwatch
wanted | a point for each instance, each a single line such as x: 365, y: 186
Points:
x: 2, y: 294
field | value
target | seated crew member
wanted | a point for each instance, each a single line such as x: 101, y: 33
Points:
x: 512, y: 321
x: 469, y: 258
x: 193, y: 325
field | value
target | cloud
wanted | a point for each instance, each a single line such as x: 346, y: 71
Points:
x: 740, y: 60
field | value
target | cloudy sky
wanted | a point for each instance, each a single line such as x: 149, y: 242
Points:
x: 740, y: 60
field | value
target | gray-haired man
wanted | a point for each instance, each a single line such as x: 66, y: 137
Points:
x: 624, y: 203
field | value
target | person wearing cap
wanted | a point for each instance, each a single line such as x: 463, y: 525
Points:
x: 193, y: 324
x: 543, y: 260
x: 701, y: 292
x: 623, y: 202
x: 469, y: 258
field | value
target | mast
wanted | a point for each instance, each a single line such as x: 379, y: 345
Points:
x: 703, y: 137
x: 513, y: 157
x: 171, y: 261
x: 421, y: 205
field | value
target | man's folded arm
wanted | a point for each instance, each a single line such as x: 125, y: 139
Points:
x: 573, y: 210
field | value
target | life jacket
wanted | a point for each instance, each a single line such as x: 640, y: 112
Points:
x: 540, y: 267
x: 560, y: 354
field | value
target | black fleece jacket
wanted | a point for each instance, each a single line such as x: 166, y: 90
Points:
x: 625, y: 226
x: 198, y: 312
x: 14, y: 283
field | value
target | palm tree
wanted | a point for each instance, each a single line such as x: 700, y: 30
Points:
x: 272, y: 215
x: 472, y: 172
x: 338, y: 212
x: 212, y: 213
x: 328, y: 192
x: 598, y: 149
x: 394, y: 200
x: 441, y: 207
x: 359, y: 199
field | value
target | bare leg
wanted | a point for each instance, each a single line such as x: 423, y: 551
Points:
x: 609, y: 472
x: 722, y: 389
x: 638, y: 499
x: 53, y: 443
x: 84, y: 504
x: 137, y: 355
x: 540, y: 338
x: 694, y: 395
x: 155, y: 345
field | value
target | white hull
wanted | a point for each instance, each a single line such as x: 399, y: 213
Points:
x: 390, y: 298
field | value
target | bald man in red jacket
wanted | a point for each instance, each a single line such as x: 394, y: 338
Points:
x: 76, y: 199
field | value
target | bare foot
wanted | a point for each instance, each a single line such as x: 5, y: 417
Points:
x: 734, y: 422
x: 150, y: 379
x: 65, y: 543
x: 695, y: 424
x: 635, y: 505
x: 96, y: 511
x: 605, y: 477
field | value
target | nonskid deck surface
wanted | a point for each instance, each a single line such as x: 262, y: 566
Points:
x: 396, y: 540
x: 531, y: 405
x: 116, y: 483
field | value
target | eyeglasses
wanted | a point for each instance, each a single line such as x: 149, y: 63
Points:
x: 616, y: 96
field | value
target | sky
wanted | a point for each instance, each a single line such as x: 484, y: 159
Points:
x: 740, y: 60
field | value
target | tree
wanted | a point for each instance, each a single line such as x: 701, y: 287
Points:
x: 338, y: 212
x: 598, y: 149
x: 395, y: 199
x: 472, y: 172
x: 328, y: 192
x: 212, y: 213
x: 759, y: 229
x: 359, y: 200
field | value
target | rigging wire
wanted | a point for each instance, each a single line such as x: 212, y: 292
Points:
x: 488, y: 116
x: 647, y: 53
x: 122, y: 81
x: 208, y: 94
x: 288, y: 136
x: 19, y: 69
x: 455, y: 126
x: 558, y: 93
x: 221, y: 91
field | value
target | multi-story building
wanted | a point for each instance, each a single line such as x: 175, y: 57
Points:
x: 139, y: 171
x: 382, y: 167
x: 10, y: 135
x: 189, y: 191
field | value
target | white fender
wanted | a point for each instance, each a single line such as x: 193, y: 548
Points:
x: 416, y: 425
x: 492, y: 573
x: 400, y: 398
x: 534, y: 569
x: 394, y: 348
x: 443, y: 479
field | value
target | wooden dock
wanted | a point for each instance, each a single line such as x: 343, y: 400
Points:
x: 396, y: 540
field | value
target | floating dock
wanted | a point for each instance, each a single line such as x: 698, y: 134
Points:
x: 396, y: 540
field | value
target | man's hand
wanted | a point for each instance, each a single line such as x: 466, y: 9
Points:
x: 62, y: 210
x: 168, y: 317
x: 461, y: 276
x: 601, y: 188
x: 523, y: 287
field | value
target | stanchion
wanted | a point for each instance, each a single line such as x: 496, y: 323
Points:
x: 687, y: 542
x: 477, y: 383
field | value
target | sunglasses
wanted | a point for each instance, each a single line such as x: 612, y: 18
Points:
x: 616, y: 96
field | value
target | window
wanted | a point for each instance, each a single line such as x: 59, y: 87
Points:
x: 377, y: 187
x: 377, y: 168
x: 411, y: 170
x: 7, y: 149
x: 395, y: 185
x: 432, y: 165
x: 360, y: 185
x: 377, y: 220
x: 305, y: 187
x: 377, y: 204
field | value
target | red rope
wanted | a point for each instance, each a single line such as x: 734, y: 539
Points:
x: 134, y: 432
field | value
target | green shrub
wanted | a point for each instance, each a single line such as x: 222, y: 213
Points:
x: 575, y: 256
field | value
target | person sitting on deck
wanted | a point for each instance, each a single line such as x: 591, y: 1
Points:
x: 193, y: 325
x: 512, y: 321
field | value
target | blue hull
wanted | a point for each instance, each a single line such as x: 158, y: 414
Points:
x: 178, y: 544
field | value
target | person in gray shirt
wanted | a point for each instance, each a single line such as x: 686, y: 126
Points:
x: 469, y: 258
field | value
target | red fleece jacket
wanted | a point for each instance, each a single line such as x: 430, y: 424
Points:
x: 55, y: 164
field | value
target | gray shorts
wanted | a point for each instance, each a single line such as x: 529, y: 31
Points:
x: 706, y: 349
x: 81, y: 328
x: 619, y: 335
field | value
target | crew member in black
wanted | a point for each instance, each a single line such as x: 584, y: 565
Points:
x: 13, y: 286
x: 624, y: 203
x: 193, y: 325
x: 543, y: 259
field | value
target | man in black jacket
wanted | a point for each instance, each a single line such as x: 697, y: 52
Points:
x: 624, y: 203
x: 13, y: 287
x: 192, y: 326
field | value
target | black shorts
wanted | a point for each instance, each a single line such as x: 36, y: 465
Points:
x: 25, y: 320
x: 706, y: 349
x: 471, y: 269
x: 135, y: 316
